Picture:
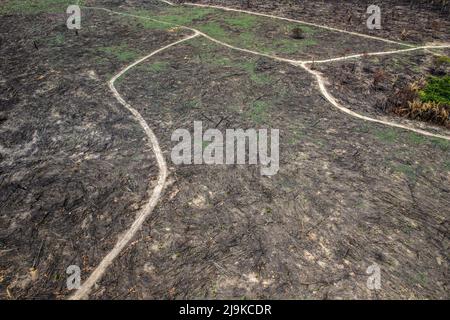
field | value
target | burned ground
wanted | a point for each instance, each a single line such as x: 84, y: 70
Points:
x: 76, y: 167
x: 411, y: 21
x: 308, y: 232
x: 366, y: 85
x: 262, y: 34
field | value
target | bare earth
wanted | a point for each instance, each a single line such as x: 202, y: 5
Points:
x: 76, y: 167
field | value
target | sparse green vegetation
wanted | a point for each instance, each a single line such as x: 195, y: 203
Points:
x: 387, y: 135
x: 58, y: 40
x: 121, y: 53
x: 441, y: 143
x: 248, y: 66
x: 416, y: 138
x: 437, y: 89
x: 245, y: 21
x: 297, y: 136
x: 289, y: 46
x: 190, y: 104
x: 305, y: 29
x: 54, y: 40
x: 257, y: 77
x: 443, y: 60
x: 82, y: 161
x: 176, y: 15
x: 447, y: 165
x: 426, y: 101
x: 406, y: 170
x: 421, y: 279
x: 213, y: 29
x: 362, y: 128
x: 153, y: 25
x: 186, y: 16
x: 157, y: 66
x: 240, y: 30
x: 258, y: 112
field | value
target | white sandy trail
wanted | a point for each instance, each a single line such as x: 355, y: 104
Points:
x: 319, y: 77
x: 249, y: 51
x: 167, y: 2
x: 83, y: 292
x: 336, y: 104
x: 380, y: 53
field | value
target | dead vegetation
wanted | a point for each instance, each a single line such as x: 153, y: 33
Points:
x: 407, y: 102
x: 426, y: 99
x: 337, y: 206
x: 297, y: 33
x: 379, y: 77
x: 442, y: 5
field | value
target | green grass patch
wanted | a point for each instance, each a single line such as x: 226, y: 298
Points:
x: 186, y: 16
x: 258, y: 112
x: 213, y: 29
x: 154, y: 67
x: 421, y: 279
x: 35, y: 6
x: 437, y: 89
x: 189, y: 105
x: 57, y: 40
x: 443, y: 60
x: 306, y: 29
x: 248, y: 66
x: 241, y: 30
x: 244, y: 21
x: 442, y: 144
x: 416, y: 138
x: 406, y: 170
x: 121, y: 53
x: 257, y: 77
x: 297, y: 136
x: 249, y: 39
x: 387, y: 135
x: 221, y: 61
x: 153, y: 25
x: 291, y: 46
x: 447, y: 165
x: 260, y: 78
x: 362, y: 128
x: 205, y: 144
x: 157, y: 66
x: 176, y: 15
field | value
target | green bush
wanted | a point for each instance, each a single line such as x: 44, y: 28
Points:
x: 437, y: 89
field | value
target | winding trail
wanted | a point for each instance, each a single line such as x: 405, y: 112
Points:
x: 83, y: 292
x: 304, y: 63
x: 154, y: 195
x: 381, y: 53
x: 333, y: 101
